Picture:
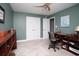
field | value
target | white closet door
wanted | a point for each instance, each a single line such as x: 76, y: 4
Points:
x: 32, y: 28
x: 46, y: 28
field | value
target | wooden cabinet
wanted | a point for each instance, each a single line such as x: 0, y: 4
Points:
x: 8, y: 43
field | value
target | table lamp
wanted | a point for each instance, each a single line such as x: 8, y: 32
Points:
x: 77, y: 30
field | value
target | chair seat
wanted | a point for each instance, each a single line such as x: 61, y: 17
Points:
x: 53, y: 39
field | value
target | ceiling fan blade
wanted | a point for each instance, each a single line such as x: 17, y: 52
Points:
x: 39, y: 6
x: 47, y: 4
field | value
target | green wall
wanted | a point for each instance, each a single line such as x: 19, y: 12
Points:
x: 20, y: 24
x: 74, y: 18
x: 8, y: 23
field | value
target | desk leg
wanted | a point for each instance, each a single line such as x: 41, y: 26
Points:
x: 62, y: 43
x: 67, y: 46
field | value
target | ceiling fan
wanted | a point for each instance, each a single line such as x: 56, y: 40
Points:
x: 45, y: 6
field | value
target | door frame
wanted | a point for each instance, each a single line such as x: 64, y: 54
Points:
x: 48, y: 25
x: 54, y: 22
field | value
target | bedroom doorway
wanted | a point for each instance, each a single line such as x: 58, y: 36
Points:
x: 52, y: 24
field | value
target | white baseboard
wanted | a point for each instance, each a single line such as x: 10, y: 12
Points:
x: 34, y: 39
x: 23, y: 40
x: 45, y: 38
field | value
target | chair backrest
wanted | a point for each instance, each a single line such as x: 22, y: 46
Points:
x: 51, y: 35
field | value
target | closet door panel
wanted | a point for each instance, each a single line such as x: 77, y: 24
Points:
x: 32, y: 28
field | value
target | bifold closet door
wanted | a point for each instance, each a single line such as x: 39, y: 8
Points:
x: 46, y: 28
x: 32, y: 28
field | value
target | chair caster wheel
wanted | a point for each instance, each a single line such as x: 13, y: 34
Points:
x: 54, y: 50
x: 49, y: 48
x: 58, y: 48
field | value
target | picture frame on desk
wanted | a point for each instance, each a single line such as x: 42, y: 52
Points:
x: 2, y: 14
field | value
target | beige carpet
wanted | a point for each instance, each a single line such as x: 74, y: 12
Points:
x: 38, y: 48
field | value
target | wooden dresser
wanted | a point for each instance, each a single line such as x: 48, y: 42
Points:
x: 7, y: 42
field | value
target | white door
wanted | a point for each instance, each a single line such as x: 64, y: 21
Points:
x: 32, y: 28
x: 46, y: 28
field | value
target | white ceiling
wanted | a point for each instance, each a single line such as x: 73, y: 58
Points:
x: 30, y: 7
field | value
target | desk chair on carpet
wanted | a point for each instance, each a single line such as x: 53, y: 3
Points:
x: 53, y: 41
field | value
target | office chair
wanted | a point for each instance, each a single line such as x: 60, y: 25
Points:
x: 53, y: 41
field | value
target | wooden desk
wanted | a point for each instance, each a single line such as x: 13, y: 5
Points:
x: 60, y: 36
x: 69, y: 41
